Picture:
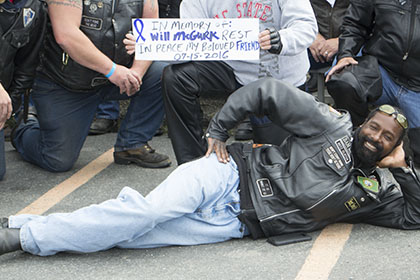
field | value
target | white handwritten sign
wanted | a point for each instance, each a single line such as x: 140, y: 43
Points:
x: 196, y: 39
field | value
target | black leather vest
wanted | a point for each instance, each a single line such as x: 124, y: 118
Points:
x: 329, y: 18
x: 21, y: 31
x: 105, y: 23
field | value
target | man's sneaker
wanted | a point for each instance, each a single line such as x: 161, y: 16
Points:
x: 144, y: 156
x: 102, y: 126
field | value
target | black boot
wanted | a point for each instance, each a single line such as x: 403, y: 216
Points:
x: 414, y: 137
x: 9, y: 240
x: 269, y: 133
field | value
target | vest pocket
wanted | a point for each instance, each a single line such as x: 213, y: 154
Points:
x: 19, y: 39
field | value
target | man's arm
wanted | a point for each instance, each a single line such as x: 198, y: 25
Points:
x: 150, y: 10
x: 65, y: 16
x: 298, y: 28
x: 355, y: 30
x: 402, y: 212
x: 5, y: 106
x: 285, y: 105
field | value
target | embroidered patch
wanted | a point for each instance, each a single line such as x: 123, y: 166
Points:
x: 333, y: 157
x: 92, y: 23
x: 343, y: 148
x: 28, y: 16
x: 352, y: 204
x: 264, y: 187
x: 368, y: 184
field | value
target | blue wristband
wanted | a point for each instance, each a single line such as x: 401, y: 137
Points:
x: 112, y: 70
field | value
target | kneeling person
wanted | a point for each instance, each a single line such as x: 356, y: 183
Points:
x: 81, y: 66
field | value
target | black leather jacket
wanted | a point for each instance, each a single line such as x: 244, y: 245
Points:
x: 22, y: 30
x: 310, y: 180
x: 329, y: 18
x: 105, y: 23
x: 388, y: 30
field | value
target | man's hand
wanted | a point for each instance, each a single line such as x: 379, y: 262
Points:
x: 269, y: 40
x: 130, y: 43
x: 127, y: 80
x: 264, y: 40
x: 219, y: 147
x: 316, y: 47
x: 5, y: 106
x: 395, y: 159
x: 340, y: 65
x: 329, y: 49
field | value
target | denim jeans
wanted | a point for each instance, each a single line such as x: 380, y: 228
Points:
x: 197, y: 204
x: 109, y: 110
x: 407, y: 100
x: 54, y: 141
x: 2, y: 160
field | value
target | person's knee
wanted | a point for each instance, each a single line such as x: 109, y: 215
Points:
x: 59, y: 163
x: 169, y: 77
x: 342, y: 91
x: 181, y: 79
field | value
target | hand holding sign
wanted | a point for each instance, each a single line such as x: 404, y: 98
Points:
x: 195, y: 39
x: 130, y: 43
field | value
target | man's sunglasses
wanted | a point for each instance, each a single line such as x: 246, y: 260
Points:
x: 389, y: 110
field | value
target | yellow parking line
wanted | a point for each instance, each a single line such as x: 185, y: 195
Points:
x: 59, y: 192
x: 325, y: 252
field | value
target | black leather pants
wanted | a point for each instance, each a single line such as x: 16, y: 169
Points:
x: 182, y: 85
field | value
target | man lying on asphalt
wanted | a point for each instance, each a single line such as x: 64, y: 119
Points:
x: 322, y: 174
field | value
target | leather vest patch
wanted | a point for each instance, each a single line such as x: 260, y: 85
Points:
x: 343, y: 146
x: 264, y: 186
x: 91, y: 23
x: 333, y: 157
x: 352, y: 204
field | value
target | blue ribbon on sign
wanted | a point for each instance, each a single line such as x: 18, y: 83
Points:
x: 137, y: 29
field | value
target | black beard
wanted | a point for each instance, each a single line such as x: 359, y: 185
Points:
x: 366, y: 157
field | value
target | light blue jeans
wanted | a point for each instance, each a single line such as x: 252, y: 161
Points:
x: 407, y: 100
x: 198, y: 203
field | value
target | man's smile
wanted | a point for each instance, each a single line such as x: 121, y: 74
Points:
x: 370, y: 146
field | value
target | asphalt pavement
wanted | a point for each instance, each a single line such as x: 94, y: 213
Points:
x: 343, y: 252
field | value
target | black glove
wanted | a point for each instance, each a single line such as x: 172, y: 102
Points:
x: 275, y: 41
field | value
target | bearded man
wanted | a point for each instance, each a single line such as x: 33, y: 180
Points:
x: 323, y: 173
